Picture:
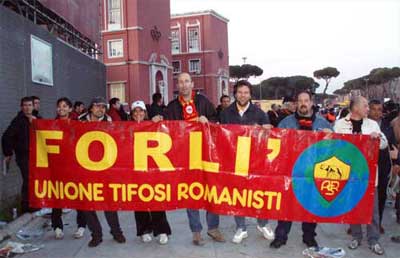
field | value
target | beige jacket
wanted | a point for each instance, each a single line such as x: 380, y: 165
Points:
x: 368, y: 127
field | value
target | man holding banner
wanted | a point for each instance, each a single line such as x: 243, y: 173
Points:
x: 303, y: 119
x: 189, y: 106
x: 243, y: 112
x: 357, y: 123
x: 16, y: 139
x: 97, y: 113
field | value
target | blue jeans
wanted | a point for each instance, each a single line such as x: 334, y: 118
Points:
x: 372, y: 229
x: 194, y: 220
x: 241, y: 222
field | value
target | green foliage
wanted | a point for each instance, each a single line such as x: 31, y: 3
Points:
x: 326, y: 74
x: 279, y: 87
x: 383, y: 75
x: 375, y: 77
x: 244, y: 71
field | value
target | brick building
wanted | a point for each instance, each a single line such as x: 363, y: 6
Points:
x: 136, y: 49
x: 199, y: 43
x: 143, y: 47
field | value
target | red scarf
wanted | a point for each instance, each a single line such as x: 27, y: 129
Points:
x: 305, y: 123
x: 189, y: 111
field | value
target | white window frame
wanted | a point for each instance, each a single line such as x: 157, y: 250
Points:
x: 109, y: 42
x: 179, y: 40
x: 41, y: 61
x: 180, y: 66
x: 115, y: 26
x: 195, y: 71
x: 192, y: 27
x: 121, y: 96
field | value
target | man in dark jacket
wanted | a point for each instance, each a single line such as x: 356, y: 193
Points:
x: 385, y: 162
x: 16, y: 139
x: 157, y: 107
x: 189, y: 106
x: 97, y: 113
x: 224, y: 101
x: 243, y: 112
x: 36, y: 107
x: 288, y: 108
x: 273, y: 115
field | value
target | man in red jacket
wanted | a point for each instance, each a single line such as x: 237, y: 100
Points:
x: 113, y: 112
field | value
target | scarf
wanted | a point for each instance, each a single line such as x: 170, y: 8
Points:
x: 305, y: 122
x: 189, y: 111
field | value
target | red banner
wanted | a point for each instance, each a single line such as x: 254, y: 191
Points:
x: 228, y: 169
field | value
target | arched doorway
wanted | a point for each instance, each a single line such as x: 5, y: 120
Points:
x: 224, y: 88
x: 158, y: 76
x: 159, y: 82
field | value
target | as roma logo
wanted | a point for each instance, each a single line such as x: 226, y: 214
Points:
x: 189, y: 110
x: 331, y: 176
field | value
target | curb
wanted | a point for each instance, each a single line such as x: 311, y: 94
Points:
x: 14, y: 225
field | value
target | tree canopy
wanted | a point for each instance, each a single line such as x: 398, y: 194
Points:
x: 375, y: 77
x: 326, y: 74
x: 244, y: 71
x: 279, y: 87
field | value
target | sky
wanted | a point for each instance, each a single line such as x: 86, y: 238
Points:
x: 297, y: 37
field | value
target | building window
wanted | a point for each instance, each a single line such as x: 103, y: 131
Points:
x: 194, y: 66
x: 114, y: 14
x: 115, y: 48
x: 41, y: 61
x: 175, y: 42
x: 193, y: 40
x: 117, y: 90
x: 177, y: 66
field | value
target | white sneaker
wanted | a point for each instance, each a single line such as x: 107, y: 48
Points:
x: 64, y: 211
x: 267, y: 232
x: 59, y: 233
x: 79, y: 233
x: 163, y: 239
x: 146, y: 238
x: 239, y: 236
x: 42, y: 212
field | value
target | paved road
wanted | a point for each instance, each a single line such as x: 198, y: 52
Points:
x: 180, y: 242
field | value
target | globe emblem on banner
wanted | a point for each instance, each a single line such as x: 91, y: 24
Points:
x: 330, y: 178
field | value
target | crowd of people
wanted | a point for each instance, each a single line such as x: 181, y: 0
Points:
x: 374, y: 118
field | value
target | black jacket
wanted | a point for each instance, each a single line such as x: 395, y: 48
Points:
x: 219, y: 110
x: 384, y: 162
x: 16, y: 138
x: 203, y: 106
x: 154, y: 110
x: 273, y: 118
x: 252, y: 116
x: 36, y: 114
x: 86, y: 118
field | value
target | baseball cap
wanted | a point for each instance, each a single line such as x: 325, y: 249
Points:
x: 139, y: 104
x: 98, y: 101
